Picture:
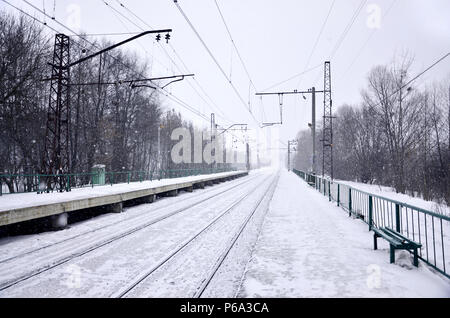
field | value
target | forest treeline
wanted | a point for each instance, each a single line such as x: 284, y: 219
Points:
x: 110, y: 124
x: 394, y: 137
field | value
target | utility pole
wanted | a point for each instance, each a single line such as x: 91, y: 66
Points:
x: 291, y: 143
x: 448, y: 174
x: 258, y: 162
x: 213, y: 138
x: 327, y: 140
x: 56, y: 159
x: 159, y: 163
x: 289, y: 155
x: 248, y: 156
x: 56, y: 155
x: 313, y: 129
x: 312, y: 125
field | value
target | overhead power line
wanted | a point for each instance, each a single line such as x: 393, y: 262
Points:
x: 294, y: 76
x: 171, y: 96
x: 217, y: 108
x: 158, y: 88
x: 117, y: 15
x: 318, y: 38
x: 105, y: 34
x: 344, y: 34
x: 30, y: 16
x: 369, y: 38
x: 132, y: 13
x: 416, y: 77
x: 215, y: 60
x: 234, y: 44
x: 214, y: 106
x: 347, y: 28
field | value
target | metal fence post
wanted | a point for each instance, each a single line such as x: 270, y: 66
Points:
x: 329, y: 191
x: 338, y: 195
x: 397, y: 218
x: 370, y: 213
x: 349, y: 201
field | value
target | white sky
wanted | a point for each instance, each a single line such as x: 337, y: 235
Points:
x: 275, y: 39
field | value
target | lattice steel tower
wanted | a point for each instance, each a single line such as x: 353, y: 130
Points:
x: 327, y: 140
x: 56, y: 159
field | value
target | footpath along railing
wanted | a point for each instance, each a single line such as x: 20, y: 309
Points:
x: 40, y: 183
x: 431, y: 229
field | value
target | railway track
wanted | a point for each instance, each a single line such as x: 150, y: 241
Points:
x: 269, y: 193
x: 159, y: 208
x: 101, y: 243
x: 145, y: 277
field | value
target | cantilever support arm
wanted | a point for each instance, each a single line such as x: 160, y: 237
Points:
x: 154, y: 87
x: 171, y: 82
x: 225, y: 130
x: 118, y: 44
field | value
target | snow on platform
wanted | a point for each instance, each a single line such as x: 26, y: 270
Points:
x: 25, y: 206
x: 390, y: 193
x: 308, y: 247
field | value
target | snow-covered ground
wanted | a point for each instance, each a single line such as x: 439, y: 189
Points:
x: 100, y: 257
x: 390, y: 193
x: 308, y: 247
x: 24, y: 200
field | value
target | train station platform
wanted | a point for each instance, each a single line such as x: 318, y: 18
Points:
x: 15, y: 208
x: 309, y: 247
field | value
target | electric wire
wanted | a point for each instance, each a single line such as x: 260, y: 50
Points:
x: 322, y: 28
x: 184, y: 64
x: 293, y: 77
x: 216, y: 108
x: 175, y: 64
x: 234, y: 44
x: 347, y: 28
x: 215, y: 60
x: 367, y: 40
x: 172, y: 97
x: 416, y: 77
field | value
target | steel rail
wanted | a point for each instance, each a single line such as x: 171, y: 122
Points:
x: 108, y: 241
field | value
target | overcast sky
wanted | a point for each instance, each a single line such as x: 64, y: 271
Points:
x: 275, y: 39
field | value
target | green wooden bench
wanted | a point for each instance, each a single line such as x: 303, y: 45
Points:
x: 396, y: 242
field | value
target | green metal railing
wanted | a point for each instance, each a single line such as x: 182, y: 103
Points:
x: 431, y: 229
x: 41, y: 183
